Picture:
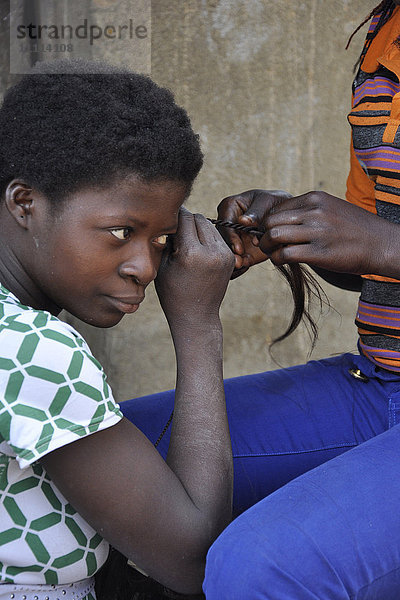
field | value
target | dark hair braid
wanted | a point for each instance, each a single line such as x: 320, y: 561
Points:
x: 304, y: 286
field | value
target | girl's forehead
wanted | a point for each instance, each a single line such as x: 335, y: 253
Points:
x: 129, y: 186
x: 130, y: 197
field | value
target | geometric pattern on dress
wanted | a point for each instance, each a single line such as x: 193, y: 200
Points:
x: 49, y: 559
x: 61, y: 383
x: 52, y: 392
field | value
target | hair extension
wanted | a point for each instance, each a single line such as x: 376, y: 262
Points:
x: 304, y: 286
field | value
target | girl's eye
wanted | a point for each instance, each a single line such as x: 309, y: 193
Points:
x: 122, y: 233
x: 162, y: 240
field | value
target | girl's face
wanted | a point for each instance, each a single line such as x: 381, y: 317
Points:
x: 96, y: 255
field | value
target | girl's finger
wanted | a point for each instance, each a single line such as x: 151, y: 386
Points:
x: 186, y: 231
x: 206, y: 232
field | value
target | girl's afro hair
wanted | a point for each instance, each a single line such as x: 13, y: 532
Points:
x: 71, y: 123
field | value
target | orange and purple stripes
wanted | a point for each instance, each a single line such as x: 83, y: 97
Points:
x: 375, y: 121
x: 380, y: 158
x: 386, y: 359
x: 373, y: 89
x: 380, y: 319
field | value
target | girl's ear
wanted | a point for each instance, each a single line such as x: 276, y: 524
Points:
x: 19, y: 201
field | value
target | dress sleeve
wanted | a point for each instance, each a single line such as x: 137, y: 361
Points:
x: 52, y: 390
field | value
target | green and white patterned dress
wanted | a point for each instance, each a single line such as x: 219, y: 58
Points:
x: 52, y: 392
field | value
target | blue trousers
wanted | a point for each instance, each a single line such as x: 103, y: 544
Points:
x: 317, y: 483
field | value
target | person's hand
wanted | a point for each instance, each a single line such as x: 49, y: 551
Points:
x: 249, y: 208
x: 195, y: 272
x: 324, y: 231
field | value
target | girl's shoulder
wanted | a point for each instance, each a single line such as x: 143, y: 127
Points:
x: 52, y: 389
x: 24, y: 329
x: 41, y: 350
x: 19, y: 318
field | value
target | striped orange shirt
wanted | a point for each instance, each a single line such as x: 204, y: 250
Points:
x: 374, y: 182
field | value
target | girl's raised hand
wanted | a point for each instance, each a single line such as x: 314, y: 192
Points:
x: 194, y: 273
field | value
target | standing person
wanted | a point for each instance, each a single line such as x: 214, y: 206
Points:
x: 95, y: 165
x: 331, y: 532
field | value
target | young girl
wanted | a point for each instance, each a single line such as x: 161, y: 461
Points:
x: 95, y: 165
x: 330, y: 532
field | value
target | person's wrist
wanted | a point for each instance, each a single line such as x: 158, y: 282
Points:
x: 201, y: 342
x: 195, y: 321
x: 380, y: 249
x: 384, y: 254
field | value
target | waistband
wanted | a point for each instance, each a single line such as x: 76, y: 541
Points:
x: 69, y: 591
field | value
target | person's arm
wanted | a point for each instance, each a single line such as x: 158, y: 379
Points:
x: 329, y: 233
x: 164, y: 516
x: 339, y: 240
x: 251, y: 208
x: 344, y: 281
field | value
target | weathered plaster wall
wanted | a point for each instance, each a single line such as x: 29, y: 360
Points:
x: 267, y: 84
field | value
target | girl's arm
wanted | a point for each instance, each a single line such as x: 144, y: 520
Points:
x: 164, y: 516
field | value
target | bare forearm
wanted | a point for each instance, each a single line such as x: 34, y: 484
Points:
x: 385, y: 259
x: 344, y: 281
x: 200, y: 449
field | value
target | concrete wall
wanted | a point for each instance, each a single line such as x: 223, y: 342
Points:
x: 267, y: 84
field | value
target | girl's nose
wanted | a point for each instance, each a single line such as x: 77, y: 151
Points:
x: 142, y: 268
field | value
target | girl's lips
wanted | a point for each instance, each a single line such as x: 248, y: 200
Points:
x: 126, y: 305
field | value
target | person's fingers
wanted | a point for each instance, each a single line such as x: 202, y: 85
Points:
x: 285, y: 235
x: 263, y: 202
x: 295, y: 253
x: 238, y: 261
x: 230, y: 209
x: 284, y: 218
x: 255, y: 214
x: 250, y: 208
x: 291, y: 203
